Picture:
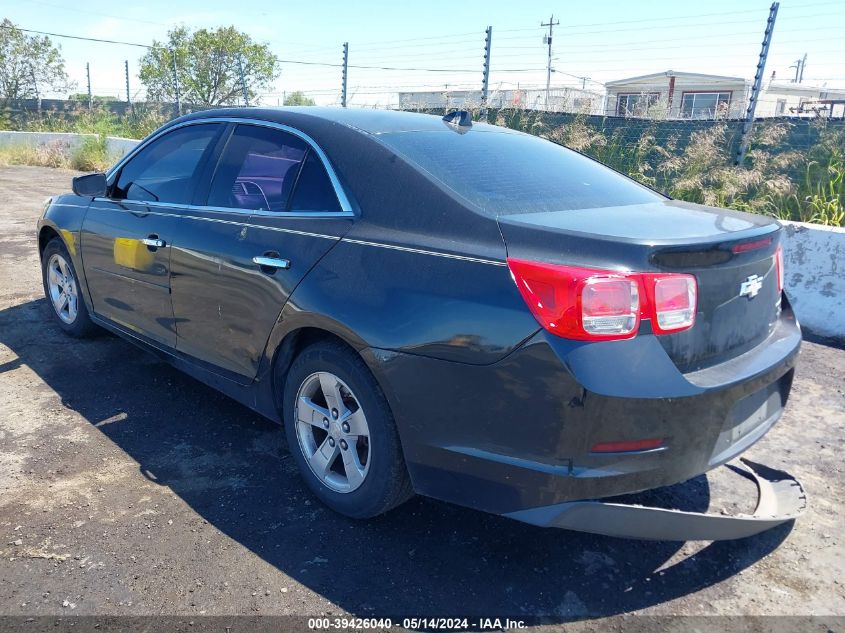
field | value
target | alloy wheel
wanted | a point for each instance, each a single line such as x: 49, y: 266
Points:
x: 332, y: 432
x: 63, y: 288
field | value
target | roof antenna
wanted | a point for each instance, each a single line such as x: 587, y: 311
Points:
x: 459, y: 121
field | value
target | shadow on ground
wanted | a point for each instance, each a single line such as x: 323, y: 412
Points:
x: 425, y: 558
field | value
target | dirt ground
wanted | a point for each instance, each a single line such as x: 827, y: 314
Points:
x: 129, y: 488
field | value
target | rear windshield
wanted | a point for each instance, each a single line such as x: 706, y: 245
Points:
x: 503, y: 172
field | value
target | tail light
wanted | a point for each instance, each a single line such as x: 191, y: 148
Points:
x: 590, y: 304
x: 779, y: 267
x: 673, y: 299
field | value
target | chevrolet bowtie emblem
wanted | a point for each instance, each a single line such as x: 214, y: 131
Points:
x: 750, y: 287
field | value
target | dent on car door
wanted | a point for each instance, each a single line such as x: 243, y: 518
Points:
x: 126, y: 236
x: 270, y: 214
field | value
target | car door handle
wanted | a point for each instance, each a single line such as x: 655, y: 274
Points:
x: 271, y: 262
x: 154, y: 242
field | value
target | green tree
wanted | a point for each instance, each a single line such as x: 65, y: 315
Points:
x: 208, y: 66
x: 299, y: 99
x: 29, y: 66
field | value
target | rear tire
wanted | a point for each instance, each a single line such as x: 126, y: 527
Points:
x: 63, y: 292
x: 341, y: 433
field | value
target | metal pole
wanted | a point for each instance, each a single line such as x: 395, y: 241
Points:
x: 128, y: 94
x: 176, y: 84
x: 88, y: 73
x: 38, y: 94
x: 551, y: 24
x: 485, y: 82
x: 344, y: 76
x: 803, y: 63
x: 748, y: 124
x: 243, y: 81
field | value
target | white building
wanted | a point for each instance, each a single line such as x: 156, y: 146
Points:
x: 559, y: 99
x: 678, y: 95
x: 794, y: 99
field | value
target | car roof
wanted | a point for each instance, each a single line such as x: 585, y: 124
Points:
x: 367, y: 120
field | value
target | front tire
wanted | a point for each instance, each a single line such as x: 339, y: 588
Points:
x: 341, y: 433
x: 63, y: 292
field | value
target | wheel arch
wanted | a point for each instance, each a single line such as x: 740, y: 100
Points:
x: 290, y: 346
x: 45, y: 235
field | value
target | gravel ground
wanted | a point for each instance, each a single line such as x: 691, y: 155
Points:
x: 127, y: 488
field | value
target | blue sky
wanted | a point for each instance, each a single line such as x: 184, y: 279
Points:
x: 604, y: 40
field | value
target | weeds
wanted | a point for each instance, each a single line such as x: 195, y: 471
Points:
x: 807, y: 186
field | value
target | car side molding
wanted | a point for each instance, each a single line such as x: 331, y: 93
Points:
x: 781, y: 498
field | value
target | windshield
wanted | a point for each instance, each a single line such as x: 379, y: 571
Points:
x: 505, y: 172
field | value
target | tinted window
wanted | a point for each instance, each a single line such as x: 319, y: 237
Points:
x: 314, y: 191
x: 163, y: 170
x: 258, y: 169
x: 506, y: 172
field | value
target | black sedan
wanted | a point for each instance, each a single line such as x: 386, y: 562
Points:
x: 444, y: 307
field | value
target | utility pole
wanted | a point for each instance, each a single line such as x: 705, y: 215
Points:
x: 243, y: 80
x: 748, y: 124
x: 176, y: 85
x: 88, y: 73
x: 485, y: 82
x: 547, y: 39
x: 344, y: 76
x: 803, y: 63
x: 797, y: 67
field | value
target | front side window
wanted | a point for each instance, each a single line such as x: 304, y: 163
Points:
x: 258, y: 169
x: 705, y: 105
x: 164, y: 170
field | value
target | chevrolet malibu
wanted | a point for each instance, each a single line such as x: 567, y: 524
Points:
x: 444, y: 307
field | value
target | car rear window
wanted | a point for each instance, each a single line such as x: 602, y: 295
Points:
x: 505, y: 172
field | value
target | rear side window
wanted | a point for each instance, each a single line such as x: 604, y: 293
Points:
x: 505, y: 172
x: 164, y: 170
x: 314, y: 191
x: 257, y: 170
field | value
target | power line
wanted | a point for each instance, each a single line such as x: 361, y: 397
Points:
x: 97, y: 13
x: 77, y: 37
x: 430, y: 70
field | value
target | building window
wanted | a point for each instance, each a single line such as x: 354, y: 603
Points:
x: 705, y: 105
x: 636, y: 104
x: 780, y: 107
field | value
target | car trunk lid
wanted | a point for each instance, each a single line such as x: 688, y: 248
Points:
x: 731, y: 254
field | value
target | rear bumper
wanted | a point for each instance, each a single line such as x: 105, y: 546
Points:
x: 780, y: 498
x: 517, y: 435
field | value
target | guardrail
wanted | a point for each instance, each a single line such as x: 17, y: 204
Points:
x: 814, y: 255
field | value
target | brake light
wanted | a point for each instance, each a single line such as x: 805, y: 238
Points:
x: 591, y: 304
x: 673, y: 299
x: 744, y: 247
x: 779, y: 267
x: 610, y: 306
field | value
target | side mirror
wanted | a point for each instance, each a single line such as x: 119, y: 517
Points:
x: 90, y: 185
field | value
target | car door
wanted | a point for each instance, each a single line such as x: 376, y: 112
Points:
x: 126, y: 236
x: 272, y: 210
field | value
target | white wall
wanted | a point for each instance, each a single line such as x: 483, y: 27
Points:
x: 814, y: 276
x: 116, y: 147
